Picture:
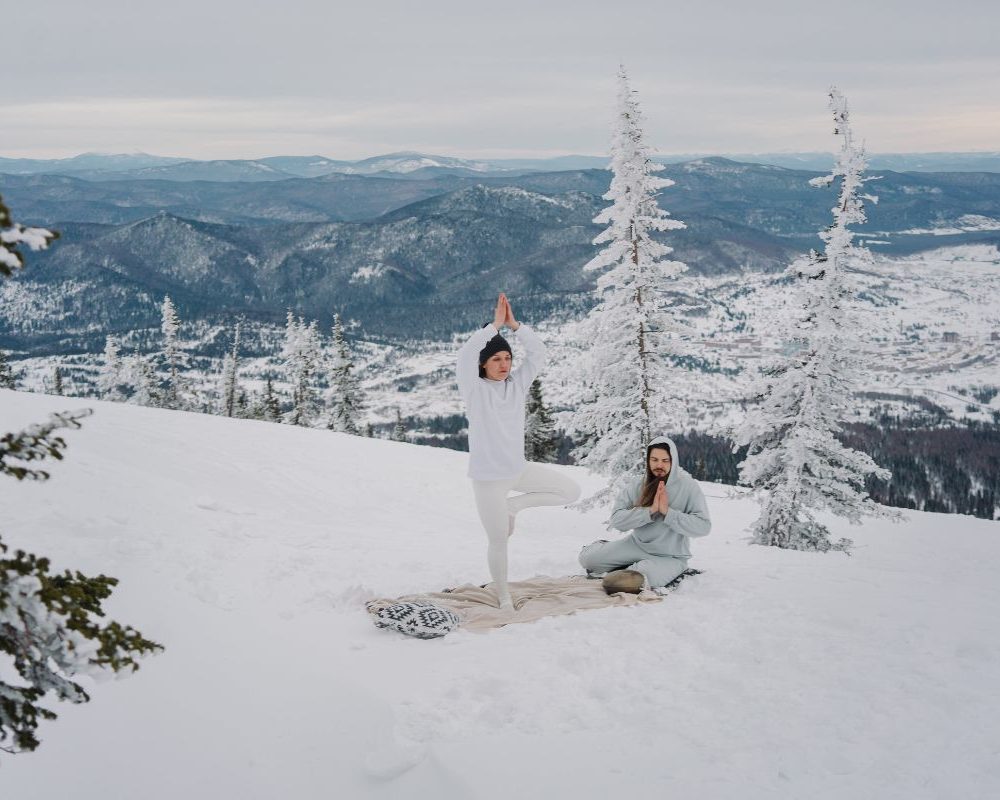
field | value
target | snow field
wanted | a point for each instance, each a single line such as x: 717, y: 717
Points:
x: 247, y: 549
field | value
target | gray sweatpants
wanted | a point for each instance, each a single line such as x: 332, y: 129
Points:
x: 604, y: 556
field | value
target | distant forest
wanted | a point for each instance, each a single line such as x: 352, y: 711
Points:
x: 953, y: 469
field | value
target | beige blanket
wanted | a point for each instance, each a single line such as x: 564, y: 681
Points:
x: 542, y: 596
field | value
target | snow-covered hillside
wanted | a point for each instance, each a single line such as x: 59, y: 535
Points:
x: 940, y: 341
x: 248, y: 548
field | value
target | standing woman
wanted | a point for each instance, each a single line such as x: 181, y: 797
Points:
x: 494, y: 401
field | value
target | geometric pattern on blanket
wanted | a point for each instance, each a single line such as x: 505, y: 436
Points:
x: 415, y: 618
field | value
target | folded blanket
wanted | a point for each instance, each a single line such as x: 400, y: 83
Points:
x: 542, y: 596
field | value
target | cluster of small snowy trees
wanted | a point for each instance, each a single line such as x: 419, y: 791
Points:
x: 52, y: 625
x: 158, y: 379
x: 795, y: 463
x: 155, y: 379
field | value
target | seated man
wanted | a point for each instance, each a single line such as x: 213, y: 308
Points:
x: 661, y: 510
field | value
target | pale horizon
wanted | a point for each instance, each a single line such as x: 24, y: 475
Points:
x: 472, y: 155
x: 235, y: 80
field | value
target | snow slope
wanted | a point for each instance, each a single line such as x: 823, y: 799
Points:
x: 247, y: 549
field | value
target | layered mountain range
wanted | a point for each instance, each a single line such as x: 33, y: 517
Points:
x: 418, y: 253
x: 99, y: 166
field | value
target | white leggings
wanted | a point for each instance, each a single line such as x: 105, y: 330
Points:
x: 541, y: 486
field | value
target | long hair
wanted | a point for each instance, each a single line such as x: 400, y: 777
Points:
x: 652, y: 482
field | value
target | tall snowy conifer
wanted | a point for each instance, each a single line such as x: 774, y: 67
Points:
x: 628, y: 388
x: 230, y: 367
x: 52, y: 625
x: 109, y: 377
x: 541, y: 443
x: 794, y: 460
x: 170, y: 324
x: 57, y: 380
x: 301, y: 353
x: 346, y: 400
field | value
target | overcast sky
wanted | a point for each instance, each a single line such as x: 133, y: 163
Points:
x: 245, y: 79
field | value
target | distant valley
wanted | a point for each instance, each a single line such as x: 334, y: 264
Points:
x: 416, y: 256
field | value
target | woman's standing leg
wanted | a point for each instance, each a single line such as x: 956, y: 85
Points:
x: 491, y: 503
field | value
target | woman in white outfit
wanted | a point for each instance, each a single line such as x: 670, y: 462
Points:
x: 494, y: 400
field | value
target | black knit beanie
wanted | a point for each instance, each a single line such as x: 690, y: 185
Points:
x: 495, y: 345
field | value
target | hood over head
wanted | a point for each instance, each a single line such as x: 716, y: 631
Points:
x: 675, y: 467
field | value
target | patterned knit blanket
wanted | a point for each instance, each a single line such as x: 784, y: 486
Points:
x: 542, y: 596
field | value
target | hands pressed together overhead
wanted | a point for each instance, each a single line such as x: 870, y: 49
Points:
x: 504, y: 314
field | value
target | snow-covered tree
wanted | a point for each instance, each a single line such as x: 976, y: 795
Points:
x: 230, y: 371
x: 7, y: 380
x: 794, y: 461
x: 399, y: 430
x: 242, y: 405
x: 139, y: 373
x: 301, y: 354
x: 346, y: 401
x: 268, y: 407
x: 173, y: 391
x: 52, y: 626
x: 628, y: 393
x: 57, y: 380
x: 541, y: 442
x: 110, y: 378
x: 13, y: 236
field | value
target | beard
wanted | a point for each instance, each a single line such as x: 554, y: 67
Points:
x: 653, y: 479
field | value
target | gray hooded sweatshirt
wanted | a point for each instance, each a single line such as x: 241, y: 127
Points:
x: 687, y: 513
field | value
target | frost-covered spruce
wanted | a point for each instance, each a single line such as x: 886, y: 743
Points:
x: 627, y: 397
x: 346, y: 401
x: 139, y: 373
x: 541, y: 442
x: 301, y: 355
x: 57, y: 381
x: 795, y: 462
x: 399, y: 430
x: 7, y: 380
x: 52, y: 626
x: 14, y: 236
x: 267, y: 407
x: 110, y: 377
x: 172, y: 395
x: 230, y: 367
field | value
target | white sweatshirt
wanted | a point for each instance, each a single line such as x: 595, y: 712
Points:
x: 495, y: 409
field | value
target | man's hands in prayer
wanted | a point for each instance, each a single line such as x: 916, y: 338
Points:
x: 661, y: 503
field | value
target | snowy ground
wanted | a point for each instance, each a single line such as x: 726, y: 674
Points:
x: 247, y: 549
